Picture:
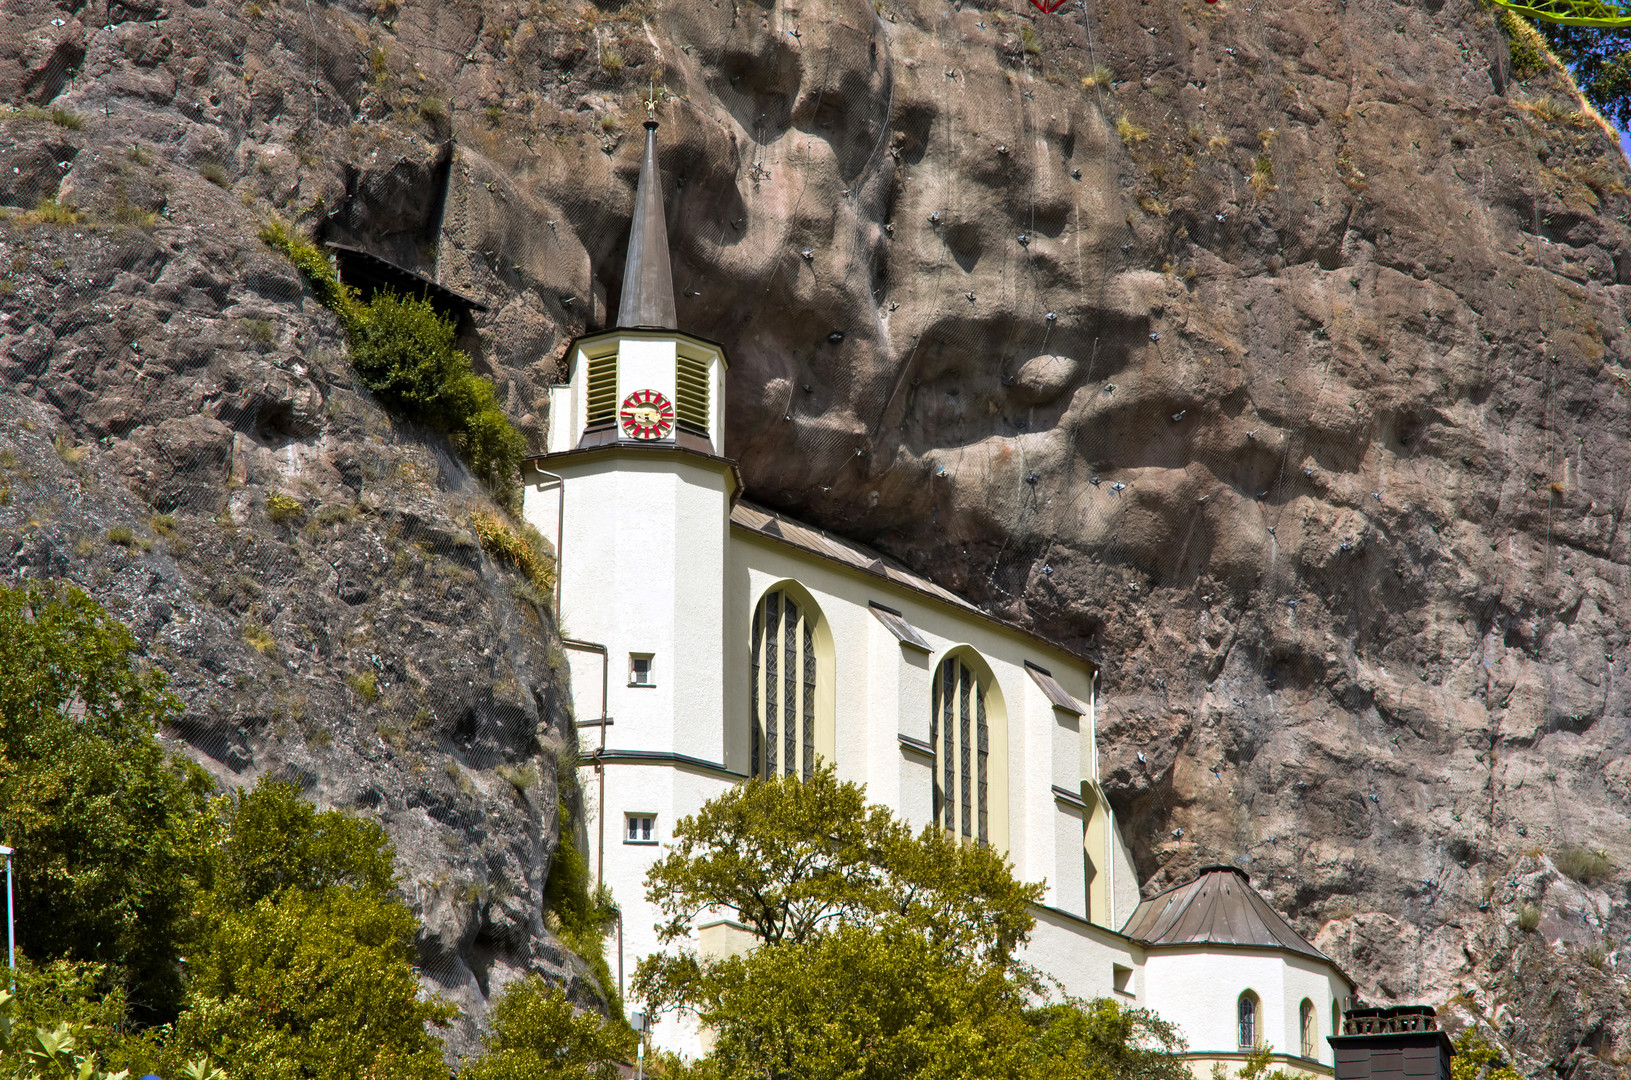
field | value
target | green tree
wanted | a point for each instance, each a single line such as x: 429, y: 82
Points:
x: 1101, y: 1040
x: 405, y: 352
x: 1476, y: 1059
x: 101, y: 817
x: 793, y: 858
x: 269, y: 839
x: 304, y: 962
x: 881, y: 954
x: 313, y: 986
x: 537, y: 1035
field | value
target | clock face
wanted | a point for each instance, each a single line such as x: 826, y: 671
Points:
x: 646, y: 414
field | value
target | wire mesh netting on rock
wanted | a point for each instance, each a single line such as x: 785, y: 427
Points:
x: 1272, y: 355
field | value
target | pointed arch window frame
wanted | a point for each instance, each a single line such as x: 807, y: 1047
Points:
x: 791, y: 684
x: 972, y: 765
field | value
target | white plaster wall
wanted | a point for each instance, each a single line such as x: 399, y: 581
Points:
x: 652, y: 565
x: 1198, y: 991
x: 873, y: 702
x: 669, y: 794
x: 564, y: 428
x: 1123, y: 876
x: 645, y: 364
x: 1083, y: 957
x: 1070, y: 874
x: 643, y: 552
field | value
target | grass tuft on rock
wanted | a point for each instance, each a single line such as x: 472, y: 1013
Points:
x: 404, y: 351
x: 1530, y: 55
x: 523, y: 550
x: 364, y: 685
x: 281, y: 508
x: 259, y: 638
x: 1583, y: 864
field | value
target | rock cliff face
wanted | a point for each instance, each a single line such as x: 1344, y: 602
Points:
x: 1273, y: 354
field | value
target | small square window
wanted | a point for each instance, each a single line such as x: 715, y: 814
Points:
x: 640, y: 669
x: 642, y: 829
x: 1121, y: 978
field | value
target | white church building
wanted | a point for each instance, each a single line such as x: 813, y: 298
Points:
x: 714, y: 640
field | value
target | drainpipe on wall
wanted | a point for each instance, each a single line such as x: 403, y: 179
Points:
x: 560, y: 531
x: 600, y: 770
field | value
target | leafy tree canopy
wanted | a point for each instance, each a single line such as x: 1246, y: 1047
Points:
x: 270, y: 839
x: 880, y: 953
x: 313, y: 986
x: 537, y: 1035
x: 790, y: 859
x: 304, y: 965
x: 1476, y: 1059
x: 102, y: 818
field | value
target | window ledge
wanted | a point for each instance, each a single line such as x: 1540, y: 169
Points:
x: 642, y: 686
x: 642, y: 843
x: 915, y: 746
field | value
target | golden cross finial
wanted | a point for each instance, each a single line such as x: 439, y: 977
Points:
x: 651, y: 102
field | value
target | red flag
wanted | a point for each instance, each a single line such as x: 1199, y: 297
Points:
x: 1048, y: 7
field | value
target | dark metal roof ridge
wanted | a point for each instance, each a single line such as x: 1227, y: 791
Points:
x: 572, y: 346
x: 893, y: 621
x: 1064, y: 795
x: 643, y: 447
x: 970, y: 608
x: 1101, y: 928
x: 909, y: 742
x: 1211, y: 867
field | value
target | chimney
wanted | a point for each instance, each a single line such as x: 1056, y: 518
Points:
x: 1399, y: 1043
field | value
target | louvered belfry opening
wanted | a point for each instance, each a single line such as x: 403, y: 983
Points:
x: 784, y: 688
x: 602, y: 389
x: 961, y: 740
x: 691, y: 395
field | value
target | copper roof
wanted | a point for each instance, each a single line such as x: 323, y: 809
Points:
x: 1219, y: 907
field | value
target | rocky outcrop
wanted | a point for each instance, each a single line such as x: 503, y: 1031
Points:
x: 1272, y: 354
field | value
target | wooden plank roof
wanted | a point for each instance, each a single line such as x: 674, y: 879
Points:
x: 1218, y: 907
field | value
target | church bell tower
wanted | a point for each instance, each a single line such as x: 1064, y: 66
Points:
x: 642, y: 382
x: 635, y: 487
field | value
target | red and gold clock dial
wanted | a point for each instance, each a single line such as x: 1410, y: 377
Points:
x: 646, y: 414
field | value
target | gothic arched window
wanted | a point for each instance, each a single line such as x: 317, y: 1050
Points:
x: 961, y: 738
x: 790, y: 723
x: 1247, y: 1011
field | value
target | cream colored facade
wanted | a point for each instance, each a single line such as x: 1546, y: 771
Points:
x: 711, y: 640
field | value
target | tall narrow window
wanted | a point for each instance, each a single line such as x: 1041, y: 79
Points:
x: 960, y: 736
x: 691, y: 395
x: 786, y: 674
x: 601, y: 387
x: 1307, y: 1018
x: 1247, y: 1010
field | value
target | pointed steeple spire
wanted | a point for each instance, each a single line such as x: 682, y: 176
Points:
x: 648, y: 281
